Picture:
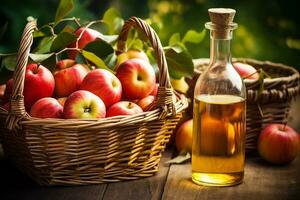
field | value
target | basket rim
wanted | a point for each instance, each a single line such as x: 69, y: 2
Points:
x: 123, y: 120
x: 294, y: 73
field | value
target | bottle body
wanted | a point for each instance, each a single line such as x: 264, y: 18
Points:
x: 218, y: 140
x: 219, y: 129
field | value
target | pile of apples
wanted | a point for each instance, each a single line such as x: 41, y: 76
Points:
x: 74, y: 91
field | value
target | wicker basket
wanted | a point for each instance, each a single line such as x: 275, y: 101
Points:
x: 271, y: 106
x: 79, y: 152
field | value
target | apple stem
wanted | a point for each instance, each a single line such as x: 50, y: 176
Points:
x: 87, y: 110
x: 36, y: 69
x: 129, y: 105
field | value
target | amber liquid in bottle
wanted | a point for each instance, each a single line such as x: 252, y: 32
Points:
x: 219, y: 127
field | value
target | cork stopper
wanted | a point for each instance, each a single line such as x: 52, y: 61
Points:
x: 222, y: 22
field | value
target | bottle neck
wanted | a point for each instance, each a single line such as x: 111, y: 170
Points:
x: 220, y: 50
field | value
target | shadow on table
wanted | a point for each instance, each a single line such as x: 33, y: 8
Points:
x: 15, y: 185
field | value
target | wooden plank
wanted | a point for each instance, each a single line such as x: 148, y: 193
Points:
x: 14, y: 186
x: 148, y: 188
x: 262, y: 181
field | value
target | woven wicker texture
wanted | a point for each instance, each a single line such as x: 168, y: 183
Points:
x: 272, y: 105
x: 78, y: 152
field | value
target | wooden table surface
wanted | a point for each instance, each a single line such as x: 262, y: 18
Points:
x: 261, y: 182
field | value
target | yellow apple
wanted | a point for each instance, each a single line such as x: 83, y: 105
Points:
x: 180, y: 85
x: 130, y: 54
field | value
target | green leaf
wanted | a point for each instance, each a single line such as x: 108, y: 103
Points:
x: 62, y: 40
x: 180, y: 62
x: 100, y: 48
x: 113, y: 20
x: 111, y: 60
x: 102, y: 28
x: 174, y: 39
x: 90, y: 56
x: 9, y: 62
x: 38, y: 33
x: 5, y: 75
x: 65, y: 6
x: 109, y: 38
x: 44, y: 45
x: 68, y: 29
x: 136, y: 44
x: 80, y: 59
x: 193, y: 36
x: 181, y: 158
x: 50, y: 62
x: 156, y: 26
x: 38, y: 58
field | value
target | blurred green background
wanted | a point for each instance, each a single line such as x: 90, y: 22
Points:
x: 268, y: 30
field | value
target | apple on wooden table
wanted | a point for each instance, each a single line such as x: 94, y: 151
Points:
x: 278, y: 144
x: 84, y: 105
x: 47, y: 107
x: 68, y: 77
x: 137, y: 78
x: 104, y: 84
x: 184, y: 136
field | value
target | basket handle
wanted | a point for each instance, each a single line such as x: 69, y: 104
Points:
x: 17, y: 109
x: 165, y: 90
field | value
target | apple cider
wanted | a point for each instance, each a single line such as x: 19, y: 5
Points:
x: 218, y: 140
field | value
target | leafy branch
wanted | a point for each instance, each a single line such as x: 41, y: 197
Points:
x: 52, y: 43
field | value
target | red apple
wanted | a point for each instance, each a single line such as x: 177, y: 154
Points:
x: 123, y: 108
x: 145, y: 102
x: 278, y: 144
x: 130, y: 54
x: 87, y: 36
x: 104, y: 84
x: 66, y: 63
x: 47, y: 107
x: 68, y: 77
x: 39, y: 83
x: 137, y: 78
x: 155, y: 90
x: 246, y: 70
x: 180, y: 85
x: 84, y: 105
x: 62, y: 100
x: 184, y: 136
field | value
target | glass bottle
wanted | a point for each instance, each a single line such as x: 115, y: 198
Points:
x: 219, y: 111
